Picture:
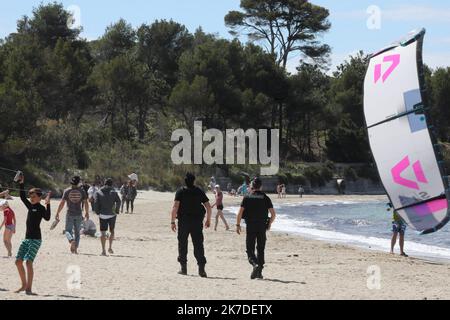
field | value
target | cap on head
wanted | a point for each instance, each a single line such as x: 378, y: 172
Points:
x: 109, y: 182
x: 217, y: 187
x: 75, y: 181
x: 257, y: 183
x: 4, y: 204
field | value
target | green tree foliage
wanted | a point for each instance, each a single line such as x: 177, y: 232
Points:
x: 347, y: 140
x: 286, y: 26
x: 440, y: 101
x: 109, y: 106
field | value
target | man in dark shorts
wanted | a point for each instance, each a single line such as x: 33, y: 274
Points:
x: 190, y: 206
x: 107, y: 206
x: 255, y: 210
x: 76, y: 199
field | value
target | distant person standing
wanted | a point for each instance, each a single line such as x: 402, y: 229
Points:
x: 212, y: 184
x: 107, y: 206
x: 255, y: 210
x: 9, y: 222
x: 85, y: 186
x: 283, y: 191
x: 190, y: 206
x: 131, y: 197
x: 219, y: 205
x: 244, y: 189
x: 279, y: 191
x: 301, y: 191
x: 123, y: 195
x: 76, y: 199
x: 91, y: 194
x: 398, y: 228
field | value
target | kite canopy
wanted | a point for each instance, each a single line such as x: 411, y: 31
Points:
x: 404, y: 149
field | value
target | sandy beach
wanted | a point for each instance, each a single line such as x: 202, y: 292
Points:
x: 145, y: 264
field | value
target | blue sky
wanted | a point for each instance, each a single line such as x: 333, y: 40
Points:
x: 349, y: 33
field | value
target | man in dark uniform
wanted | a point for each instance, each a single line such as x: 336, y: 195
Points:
x: 255, y: 210
x: 191, y: 205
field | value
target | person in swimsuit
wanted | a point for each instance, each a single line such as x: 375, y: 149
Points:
x: 10, y: 225
x: 33, y: 240
x: 219, y: 204
x: 283, y: 191
x: 398, y: 228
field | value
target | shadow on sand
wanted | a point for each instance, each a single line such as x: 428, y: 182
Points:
x: 58, y: 296
x: 283, y: 281
x: 108, y: 256
x: 213, y: 278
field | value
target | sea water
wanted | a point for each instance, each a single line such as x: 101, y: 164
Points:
x: 365, y: 224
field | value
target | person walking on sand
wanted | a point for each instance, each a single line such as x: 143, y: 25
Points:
x: 190, y: 206
x: 76, y: 200
x: 219, y: 205
x: 33, y: 240
x: 9, y: 223
x: 107, y: 206
x: 123, y: 195
x: 255, y: 210
x: 398, y: 228
x: 131, y: 197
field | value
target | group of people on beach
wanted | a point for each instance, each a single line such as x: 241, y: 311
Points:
x: 192, y: 212
x: 281, y: 191
x: 104, y: 201
x: 79, y: 198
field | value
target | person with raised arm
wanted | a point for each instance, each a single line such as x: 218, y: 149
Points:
x: 33, y: 239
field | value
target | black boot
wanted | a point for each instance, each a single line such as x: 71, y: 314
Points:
x: 255, y: 272
x: 259, y: 274
x: 202, y: 272
x: 183, y: 270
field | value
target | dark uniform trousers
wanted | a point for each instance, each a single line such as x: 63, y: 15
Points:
x: 194, y: 228
x: 256, y: 237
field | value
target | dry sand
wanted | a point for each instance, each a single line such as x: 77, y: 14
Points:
x: 145, y: 265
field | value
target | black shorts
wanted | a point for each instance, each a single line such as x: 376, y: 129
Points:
x: 108, y: 223
x: 220, y: 207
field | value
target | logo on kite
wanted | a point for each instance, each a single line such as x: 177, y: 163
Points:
x: 394, y: 60
x: 401, y: 167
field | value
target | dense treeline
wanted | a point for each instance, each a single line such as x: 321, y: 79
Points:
x: 109, y: 106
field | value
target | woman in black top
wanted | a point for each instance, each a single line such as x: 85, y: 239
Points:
x: 33, y: 239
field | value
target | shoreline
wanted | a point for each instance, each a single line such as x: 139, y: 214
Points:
x: 357, y: 244
x: 145, y: 266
